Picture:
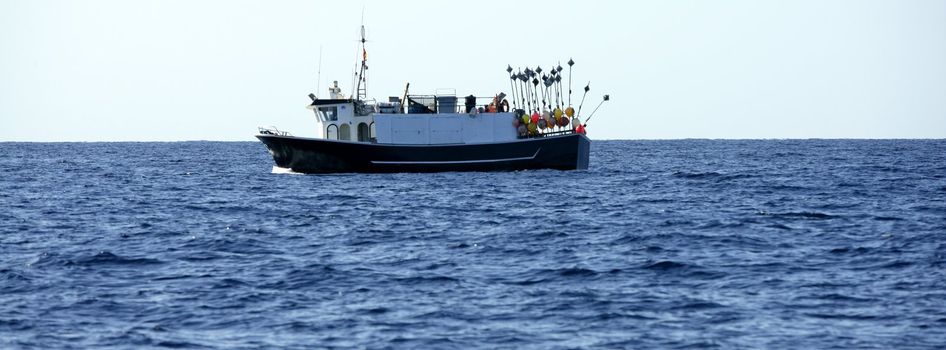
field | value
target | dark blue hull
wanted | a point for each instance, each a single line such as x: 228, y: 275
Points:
x: 306, y: 155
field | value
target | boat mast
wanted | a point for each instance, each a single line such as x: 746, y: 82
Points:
x: 362, y: 81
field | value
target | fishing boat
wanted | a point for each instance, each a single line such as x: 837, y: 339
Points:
x: 532, y: 127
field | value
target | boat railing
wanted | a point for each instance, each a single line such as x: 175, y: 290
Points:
x: 441, y: 103
x: 272, y: 130
x: 480, y: 104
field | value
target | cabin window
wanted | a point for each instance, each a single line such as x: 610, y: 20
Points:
x: 372, y: 133
x: 363, y: 132
x: 329, y: 113
x: 344, y: 132
x: 331, y: 132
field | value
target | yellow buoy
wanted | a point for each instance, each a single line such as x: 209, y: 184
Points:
x: 558, y: 113
x: 570, y: 112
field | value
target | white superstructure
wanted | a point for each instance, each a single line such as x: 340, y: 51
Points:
x: 450, y: 128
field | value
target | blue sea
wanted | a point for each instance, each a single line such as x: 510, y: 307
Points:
x: 775, y: 244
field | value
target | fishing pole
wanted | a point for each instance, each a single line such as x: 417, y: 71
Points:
x: 522, y: 90
x: 587, y: 87
x: 535, y: 86
x: 558, y: 107
x: 519, y: 91
x: 606, y: 98
x: 512, y: 88
x: 524, y: 79
x: 548, y: 89
x: 525, y: 82
x: 535, y: 95
x: 538, y: 72
x: 559, y: 99
x: 570, y: 64
x: 552, y: 87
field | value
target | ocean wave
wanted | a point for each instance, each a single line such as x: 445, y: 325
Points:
x: 659, y: 244
x: 108, y: 258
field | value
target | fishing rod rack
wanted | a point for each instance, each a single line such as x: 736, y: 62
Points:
x: 535, y: 91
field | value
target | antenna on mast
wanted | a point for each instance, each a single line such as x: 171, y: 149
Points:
x: 318, y: 83
x: 362, y: 81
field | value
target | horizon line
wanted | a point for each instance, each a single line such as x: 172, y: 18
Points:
x: 593, y: 139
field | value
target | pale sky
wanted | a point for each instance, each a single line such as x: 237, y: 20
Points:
x: 115, y: 70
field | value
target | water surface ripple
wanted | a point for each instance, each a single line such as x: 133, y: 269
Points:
x: 661, y: 244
